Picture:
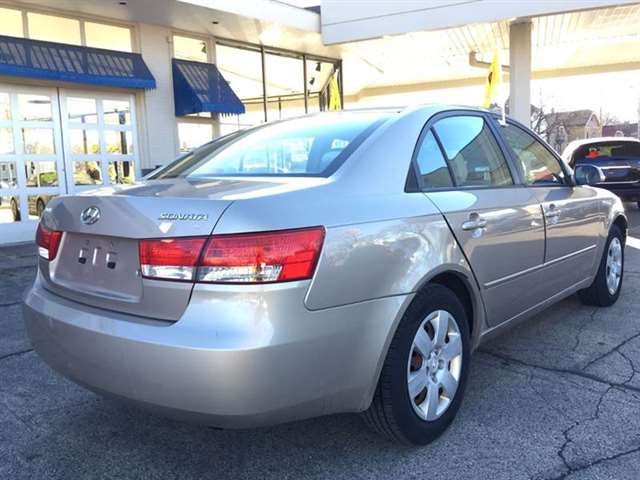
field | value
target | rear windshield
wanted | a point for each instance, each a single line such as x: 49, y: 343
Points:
x: 308, y: 146
x: 609, y: 149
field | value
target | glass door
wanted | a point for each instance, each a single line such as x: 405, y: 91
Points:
x: 99, y: 136
x: 31, y: 158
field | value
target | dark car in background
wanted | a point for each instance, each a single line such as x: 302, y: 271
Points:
x: 619, y: 159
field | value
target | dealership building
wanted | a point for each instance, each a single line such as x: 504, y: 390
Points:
x: 96, y: 92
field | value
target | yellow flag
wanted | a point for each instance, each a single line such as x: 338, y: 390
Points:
x: 334, y: 94
x: 494, y: 80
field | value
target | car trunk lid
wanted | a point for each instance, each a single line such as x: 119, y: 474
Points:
x: 98, y: 261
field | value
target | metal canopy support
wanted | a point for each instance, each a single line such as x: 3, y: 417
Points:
x: 264, y: 83
x: 341, y: 85
x: 304, y: 79
x: 520, y: 71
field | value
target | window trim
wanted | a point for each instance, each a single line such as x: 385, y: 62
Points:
x: 515, y: 177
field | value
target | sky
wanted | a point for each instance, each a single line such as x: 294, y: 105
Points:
x: 614, y: 94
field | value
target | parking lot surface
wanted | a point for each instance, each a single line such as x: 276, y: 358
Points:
x: 556, y: 397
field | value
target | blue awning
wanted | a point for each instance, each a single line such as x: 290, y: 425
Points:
x: 200, y: 87
x: 69, y: 63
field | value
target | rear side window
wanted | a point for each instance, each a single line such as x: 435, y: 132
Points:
x: 538, y: 165
x: 432, y: 164
x: 472, y: 152
x: 312, y: 146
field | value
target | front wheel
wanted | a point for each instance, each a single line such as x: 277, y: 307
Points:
x: 425, y: 372
x: 605, y: 289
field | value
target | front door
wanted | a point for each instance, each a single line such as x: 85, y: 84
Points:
x: 573, y: 219
x: 497, y: 222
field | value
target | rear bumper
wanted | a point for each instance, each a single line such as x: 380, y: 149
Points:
x: 233, y: 360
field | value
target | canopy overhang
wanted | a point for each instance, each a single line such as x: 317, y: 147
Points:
x: 200, y: 87
x: 23, y: 57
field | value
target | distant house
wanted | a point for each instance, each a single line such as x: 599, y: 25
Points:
x: 621, y: 130
x: 565, y: 127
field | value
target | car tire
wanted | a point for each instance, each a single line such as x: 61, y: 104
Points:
x: 638, y: 203
x: 604, y: 292
x: 393, y: 412
x: 15, y: 210
x: 40, y: 206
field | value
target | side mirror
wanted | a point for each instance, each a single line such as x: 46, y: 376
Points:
x: 588, y: 175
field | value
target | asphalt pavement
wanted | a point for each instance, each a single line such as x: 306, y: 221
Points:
x: 556, y: 397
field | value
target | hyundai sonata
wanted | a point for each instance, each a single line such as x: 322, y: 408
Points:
x: 340, y: 262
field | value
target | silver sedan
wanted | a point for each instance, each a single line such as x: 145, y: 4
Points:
x: 340, y: 262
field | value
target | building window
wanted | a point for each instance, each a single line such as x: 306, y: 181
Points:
x: 187, y: 48
x: 242, y: 69
x: 54, y: 29
x: 11, y: 22
x: 192, y: 135
x: 63, y: 29
x: 284, y: 81
x: 285, y: 86
x: 110, y: 37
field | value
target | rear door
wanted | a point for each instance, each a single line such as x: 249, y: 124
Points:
x: 497, y: 221
x: 573, y: 216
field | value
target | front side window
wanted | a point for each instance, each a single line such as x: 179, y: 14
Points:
x: 432, y: 165
x: 472, y: 152
x: 537, y: 164
x: 307, y: 146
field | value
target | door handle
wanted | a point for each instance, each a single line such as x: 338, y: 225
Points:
x: 475, y: 221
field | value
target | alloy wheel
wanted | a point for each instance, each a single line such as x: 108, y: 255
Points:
x: 435, y: 365
x: 614, y: 265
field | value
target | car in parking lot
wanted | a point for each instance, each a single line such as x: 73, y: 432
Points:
x: 240, y: 288
x: 619, y: 159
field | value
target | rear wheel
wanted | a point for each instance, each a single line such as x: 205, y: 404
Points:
x: 15, y: 211
x: 40, y: 207
x: 638, y: 203
x: 605, y: 289
x: 424, y: 375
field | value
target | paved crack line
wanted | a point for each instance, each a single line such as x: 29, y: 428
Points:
x: 571, y: 469
x: 610, y: 351
x: 16, y: 354
x: 10, y: 304
x: 568, y: 371
x: 598, y: 461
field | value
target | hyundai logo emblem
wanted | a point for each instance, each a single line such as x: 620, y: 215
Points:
x: 90, y: 215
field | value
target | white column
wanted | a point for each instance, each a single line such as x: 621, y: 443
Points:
x: 520, y: 71
x: 159, y: 130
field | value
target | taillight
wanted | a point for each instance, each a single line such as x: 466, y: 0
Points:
x: 261, y: 257
x: 171, y: 258
x: 243, y: 258
x: 48, y: 242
